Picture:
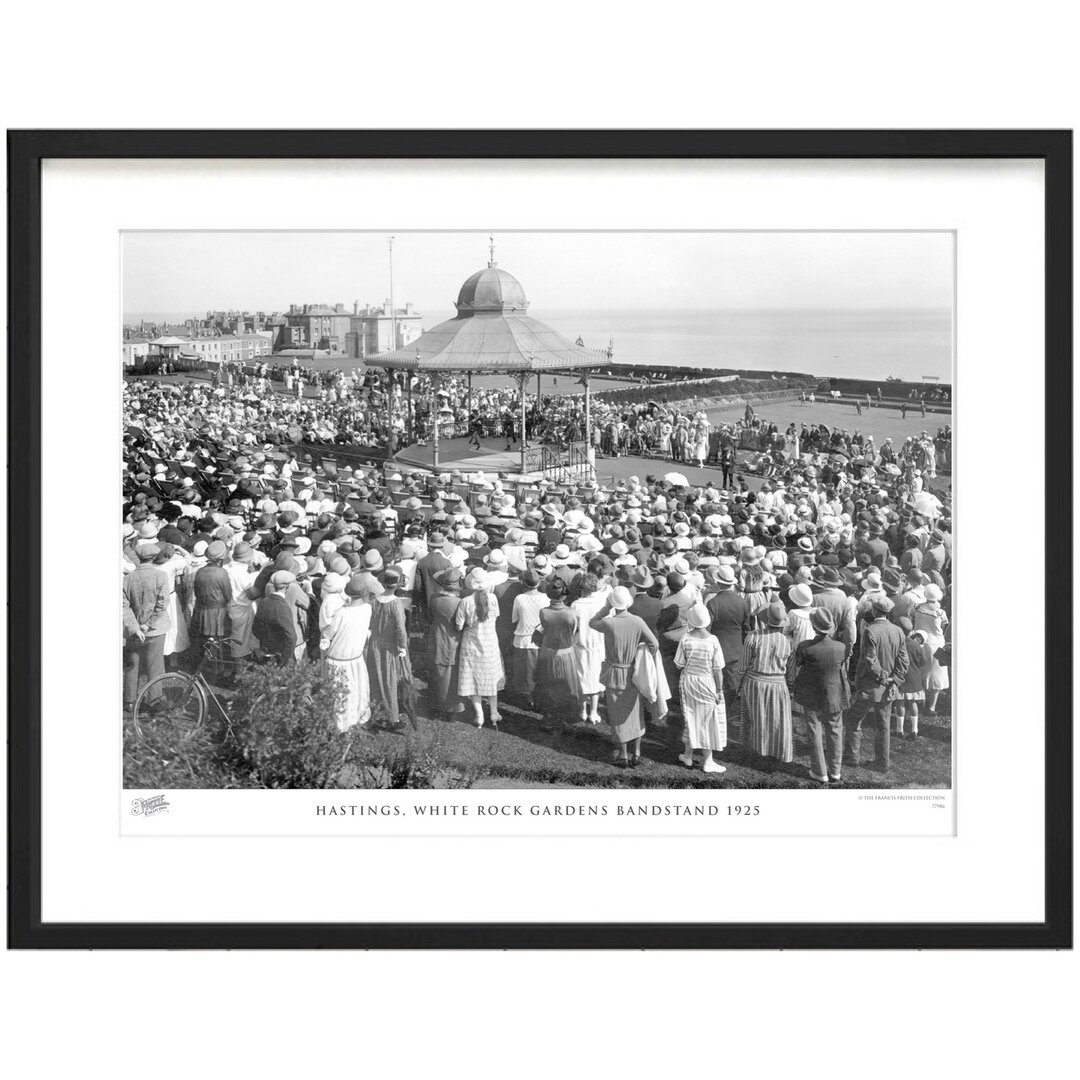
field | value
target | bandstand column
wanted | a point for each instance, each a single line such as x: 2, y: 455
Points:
x: 410, y: 406
x: 435, y: 422
x: 588, y: 429
x: 523, y: 380
x: 389, y: 410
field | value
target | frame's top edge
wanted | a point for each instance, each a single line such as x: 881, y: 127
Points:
x: 269, y: 143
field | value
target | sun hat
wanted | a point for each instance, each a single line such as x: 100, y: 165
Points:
x: 372, y: 560
x: 749, y: 556
x: 698, y: 617
x: 800, y: 595
x: 477, y: 578
x: 821, y: 619
x: 932, y: 593
x: 216, y: 550
x: 333, y: 583
x: 561, y: 554
x: 243, y: 552
x: 362, y: 585
x: 450, y: 578
x: 620, y: 598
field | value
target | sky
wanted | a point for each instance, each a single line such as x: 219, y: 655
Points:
x: 172, y: 272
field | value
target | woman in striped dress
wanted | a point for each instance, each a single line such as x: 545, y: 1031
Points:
x: 480, y: 666
x: 701, y: 689
x: 764, y: 701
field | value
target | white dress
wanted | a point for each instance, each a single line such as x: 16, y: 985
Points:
x: 588, y: 644
x: 343, y: 644
x: 701, y: 690
x: 176, y: 637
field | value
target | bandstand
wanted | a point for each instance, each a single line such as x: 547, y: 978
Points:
x: 492, y: 334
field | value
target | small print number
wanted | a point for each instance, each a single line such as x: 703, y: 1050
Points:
x: 744, y: 811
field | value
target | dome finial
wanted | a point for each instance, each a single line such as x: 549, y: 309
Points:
x: 491, y: 261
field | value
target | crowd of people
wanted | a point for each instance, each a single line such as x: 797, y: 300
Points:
x: 820, y: 599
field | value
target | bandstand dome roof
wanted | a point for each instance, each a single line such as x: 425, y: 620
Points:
x: 491, y: 332
x: 491, y: 289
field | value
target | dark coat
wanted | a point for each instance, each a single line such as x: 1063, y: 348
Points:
x: 426, y: 569
x: 820, y: 680
x: 730, y: 623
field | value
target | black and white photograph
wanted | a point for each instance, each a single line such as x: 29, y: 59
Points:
x: 538, y: 510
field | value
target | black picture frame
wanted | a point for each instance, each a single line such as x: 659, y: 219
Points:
x: 26, y: 152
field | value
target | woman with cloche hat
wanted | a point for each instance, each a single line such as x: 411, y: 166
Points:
x: 213, y: 594
x: 764, y: 700
x: 701, y: 691
x: 931, y: 619
x: 913, y: 689
x: 622, y: 635
x: 443, y: 642
x: 588, y: 645
x: 342, y: 643
x: 480, y: 666
x: 389, y: 663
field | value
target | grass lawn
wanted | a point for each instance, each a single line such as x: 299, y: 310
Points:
x: 531, y: 750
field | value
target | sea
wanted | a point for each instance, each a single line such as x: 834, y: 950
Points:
x: 871, y: 343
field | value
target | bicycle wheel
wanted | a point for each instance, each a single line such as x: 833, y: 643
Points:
x: 172, y: 699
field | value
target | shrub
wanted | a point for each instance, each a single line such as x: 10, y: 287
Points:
x: 162, y: 758
x: 420, y: 762
x: 283, y: 720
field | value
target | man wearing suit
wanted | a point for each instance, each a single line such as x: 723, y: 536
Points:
x: 672, y: 625
x: 883, y: 664
x: 730, y: 615
x: 648, y: 595
x: 430, y: 565
x: 816, y: 672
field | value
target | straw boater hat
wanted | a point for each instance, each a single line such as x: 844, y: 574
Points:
x: 725, y: 577
x: 561, y: 555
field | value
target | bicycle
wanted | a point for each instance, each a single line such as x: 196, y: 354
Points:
x: 182, y: 699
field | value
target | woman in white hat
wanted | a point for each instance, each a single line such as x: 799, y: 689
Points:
x: 588, y: 645
x: 480, y: 666
x: 798, y: 628
x: 622, y: 634
x: 342, y: 642
x: 930, y: 618
x: 701, y: 690
x: 751, y: 580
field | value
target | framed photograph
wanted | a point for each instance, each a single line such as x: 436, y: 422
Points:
x: 523, y: 539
